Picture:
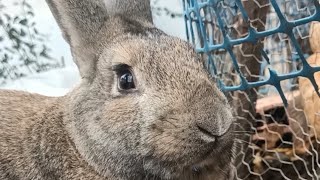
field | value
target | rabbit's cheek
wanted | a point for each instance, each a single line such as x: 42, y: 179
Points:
x: 121, y: 117
x: 121, y: 111
x: 162, y: 142
x: 172, y: 145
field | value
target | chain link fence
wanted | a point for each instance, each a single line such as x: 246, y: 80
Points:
x: 265, y: 56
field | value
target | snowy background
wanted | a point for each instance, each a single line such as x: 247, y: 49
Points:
x: 58, y: 82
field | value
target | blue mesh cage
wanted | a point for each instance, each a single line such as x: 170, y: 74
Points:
x: 257, y: 49
x: 218, y: 27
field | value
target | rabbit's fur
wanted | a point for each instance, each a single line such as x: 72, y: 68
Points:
x: 175, y: 124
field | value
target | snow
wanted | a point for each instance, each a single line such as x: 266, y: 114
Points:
x: 55, y: 82
x: 58, y: 82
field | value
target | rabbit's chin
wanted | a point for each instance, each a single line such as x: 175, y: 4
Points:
x: 208, y: 167
x: 204, y: 162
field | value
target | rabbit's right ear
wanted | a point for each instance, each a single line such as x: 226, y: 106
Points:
x: 81, y: 21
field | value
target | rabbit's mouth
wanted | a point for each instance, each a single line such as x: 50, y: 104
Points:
x: 213, y: 163
x: 197, y: 158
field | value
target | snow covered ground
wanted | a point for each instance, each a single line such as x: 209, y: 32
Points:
x: 58, y: 82
x: 55, y: 82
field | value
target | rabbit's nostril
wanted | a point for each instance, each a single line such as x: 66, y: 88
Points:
x: 206, y: 135
x: 204, y: 131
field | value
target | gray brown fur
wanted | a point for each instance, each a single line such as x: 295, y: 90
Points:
x: 97, y: 132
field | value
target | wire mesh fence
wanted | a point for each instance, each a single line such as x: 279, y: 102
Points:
x: 265, y: 55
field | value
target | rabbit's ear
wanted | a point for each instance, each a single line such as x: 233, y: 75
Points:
x: 81, y: 21
x: 140, y: 9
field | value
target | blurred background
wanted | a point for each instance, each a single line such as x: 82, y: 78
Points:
x: 33, y: 55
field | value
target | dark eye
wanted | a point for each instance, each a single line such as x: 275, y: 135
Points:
x: 126, y: 80
x: 125, y: 77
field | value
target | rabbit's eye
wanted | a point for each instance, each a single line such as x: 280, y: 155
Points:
x: 126, y: 80
x: 125, y: 76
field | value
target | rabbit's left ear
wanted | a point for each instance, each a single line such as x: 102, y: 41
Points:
x: 136, y: 9
x: 82, y: 20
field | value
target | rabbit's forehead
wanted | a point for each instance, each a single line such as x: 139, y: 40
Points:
x: 161, y: 51
x: 157, y: 60
x: 123, y: 53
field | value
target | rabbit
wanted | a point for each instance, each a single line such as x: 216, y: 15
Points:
x: 146, y: 108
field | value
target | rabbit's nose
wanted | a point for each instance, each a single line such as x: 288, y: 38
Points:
x: 206, y: 134
x: 210, y: 132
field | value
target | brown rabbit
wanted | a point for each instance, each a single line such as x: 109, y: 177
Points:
x: 145, y: 108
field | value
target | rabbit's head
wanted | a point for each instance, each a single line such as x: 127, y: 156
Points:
x: 146, y: 107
